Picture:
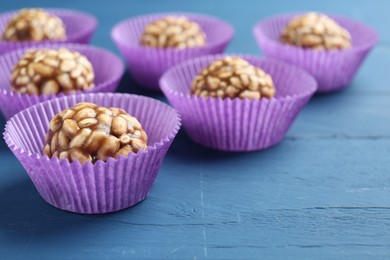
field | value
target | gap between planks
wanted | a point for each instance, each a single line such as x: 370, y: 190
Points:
x: 203, y: 211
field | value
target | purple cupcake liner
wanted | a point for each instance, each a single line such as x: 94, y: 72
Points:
x: 334, y: 69
x: 93, y: 188
x: 108, y: 72
x: 79, y: 28
x: 147, y: 64
x: 238, y: 124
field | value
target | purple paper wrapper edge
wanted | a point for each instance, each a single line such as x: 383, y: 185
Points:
x: 104, y: 186
x: 147, y: 64
x: 238, y: 124
x: 108, y: 69
x: 333, y: 70
x: 79, y: 26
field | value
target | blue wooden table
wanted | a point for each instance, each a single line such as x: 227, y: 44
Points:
x: 323, y: 193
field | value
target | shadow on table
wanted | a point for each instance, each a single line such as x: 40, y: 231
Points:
x: 128, y: 85
x: 23, y: 213
x: 183, y: 148
x: 3, y: 145
x: 348, y: 90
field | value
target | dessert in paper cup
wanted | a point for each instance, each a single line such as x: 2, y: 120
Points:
x: 89, y: 173
x: 153, y: 43
x: 78, y: 27
x: 234, y: 117
x: 107, y: 68
x: 333, y: 50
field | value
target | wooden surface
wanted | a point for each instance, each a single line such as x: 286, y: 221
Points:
x: 323, y: 193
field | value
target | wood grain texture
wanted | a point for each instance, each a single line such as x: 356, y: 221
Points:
x: 323, y: 193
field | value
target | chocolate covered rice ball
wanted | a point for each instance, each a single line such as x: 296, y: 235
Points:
x: 316, y: 31
x: 88, y: 132
x: 48, y: 71
x: 34, y: 25
x: 233, y: 77
x: 173, y: 32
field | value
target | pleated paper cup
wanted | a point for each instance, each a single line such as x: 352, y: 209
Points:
x: 108, y: 70
x: 93, y: 188
x: 79, y: 28
x: 333, y: 69
x: 238, y: 124
x: 147, y: 64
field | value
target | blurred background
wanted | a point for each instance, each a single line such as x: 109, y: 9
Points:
x: 242, y: 14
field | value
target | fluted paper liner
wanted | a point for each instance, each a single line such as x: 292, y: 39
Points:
x: 147, y: 64
x: 108, y: 70
x: 238, y: 124
x: 334, y: 69
x: 79, y: 28
x: 93, y: 188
